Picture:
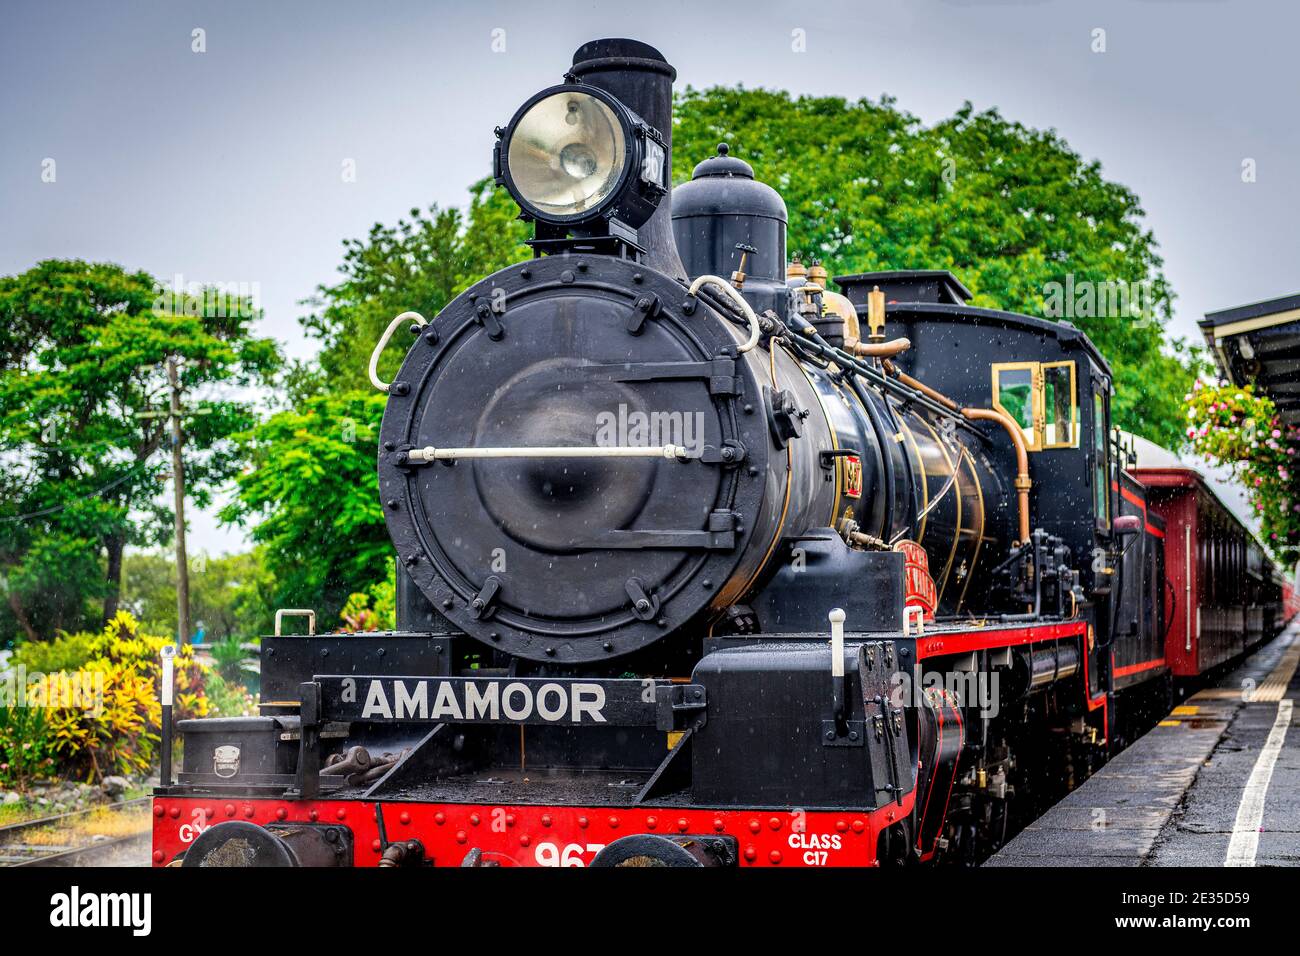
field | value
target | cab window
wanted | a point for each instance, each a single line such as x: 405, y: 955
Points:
x: 1060, y: 410
x: 1014, y: 393
x: 1100, y: 480
x: 1041, y: 399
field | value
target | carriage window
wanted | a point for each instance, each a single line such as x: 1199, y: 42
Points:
x: 1013, y: 393
x: 1060, y: 410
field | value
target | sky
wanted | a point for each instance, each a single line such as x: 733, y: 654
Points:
x: 240, y: 142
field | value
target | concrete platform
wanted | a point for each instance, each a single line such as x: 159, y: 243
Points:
x: 1216, y: 783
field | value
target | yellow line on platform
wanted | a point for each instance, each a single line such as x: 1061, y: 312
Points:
x: 1275, y: 684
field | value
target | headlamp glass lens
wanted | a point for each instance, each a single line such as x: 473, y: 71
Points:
x: 566, y: 153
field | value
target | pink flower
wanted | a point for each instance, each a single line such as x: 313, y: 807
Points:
x: 1276, y: 433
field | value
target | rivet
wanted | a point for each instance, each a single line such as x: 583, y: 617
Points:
x: 858, y: 826
x: 546, y: 819
x: 340, y: 814
x: 550, y: 652
x: 582, y: 822
x: 431, y: 337
x: 446, y: 602
x: 525, y: 273
x: 376, y: 845
x: 389, y: 446
x: 719, y: 825
x: 750, y: 854
x: 651, y: 822
x: 440, y: 818
x: 510, y: 819
x: 566, y: 276
x: 662, y: 622
x: 174, y: 812
x: 755, y: 826
x: 582, y: 265
x: 638, y: 277
x: 392, y: 503
x: 525, y: 840
x: 158, y: 810
x: 683, y: 824
x: 474, y: 819
x: 281, y: 813
x: 607, y: 646
x: 461, y: 836
x: 775, y: 856
x: 774, y: 823
x: 248, y: 812
x: 613, y: 823
x: 404, y: 817
x: 841, y: 826
x: 230, y: 809
x: 313, y: 816
x: 157, y: 856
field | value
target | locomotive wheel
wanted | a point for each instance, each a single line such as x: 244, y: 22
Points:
x: 651, y: 850
x: 237, y: 843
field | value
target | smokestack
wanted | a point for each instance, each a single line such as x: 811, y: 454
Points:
x: 642, y: 80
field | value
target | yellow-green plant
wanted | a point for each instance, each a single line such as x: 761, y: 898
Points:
x: 112, y: 727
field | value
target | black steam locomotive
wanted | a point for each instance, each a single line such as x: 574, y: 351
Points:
x: 701, y: 562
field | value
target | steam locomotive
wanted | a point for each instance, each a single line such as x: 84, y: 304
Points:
x: 701, y: 562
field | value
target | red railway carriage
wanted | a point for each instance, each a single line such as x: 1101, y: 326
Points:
x: 1221, y: 596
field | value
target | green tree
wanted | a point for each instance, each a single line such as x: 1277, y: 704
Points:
x: 311, y: 481
x: 232, y: 596
x: 83, y: 349
x: 1012, y: 211
x: 311, y: 478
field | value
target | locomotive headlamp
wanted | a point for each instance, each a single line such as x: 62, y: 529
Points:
x: 573, y: 155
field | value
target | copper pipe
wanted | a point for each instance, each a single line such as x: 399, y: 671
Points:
x: 879, y: 349
x: 1023, y: 482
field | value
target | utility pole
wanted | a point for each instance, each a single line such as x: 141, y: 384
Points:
x: 178, y: 476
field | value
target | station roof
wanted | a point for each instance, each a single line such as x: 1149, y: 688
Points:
x: 1260, y: 343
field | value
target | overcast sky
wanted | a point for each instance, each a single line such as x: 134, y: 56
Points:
x: 227, y: 165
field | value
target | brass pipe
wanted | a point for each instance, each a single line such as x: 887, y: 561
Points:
x: 1023, y: 482
x: 879, y: 349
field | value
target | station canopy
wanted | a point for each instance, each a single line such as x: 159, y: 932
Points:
x: 1260, y: 344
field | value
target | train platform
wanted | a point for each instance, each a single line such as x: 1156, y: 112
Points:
x: 1216, y: 783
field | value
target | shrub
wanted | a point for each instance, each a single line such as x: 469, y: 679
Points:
x: 120, y: 732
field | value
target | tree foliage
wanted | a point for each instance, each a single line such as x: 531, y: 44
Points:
x: 311, y: 496
x: 83, y: 348
x: 231, y: 596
